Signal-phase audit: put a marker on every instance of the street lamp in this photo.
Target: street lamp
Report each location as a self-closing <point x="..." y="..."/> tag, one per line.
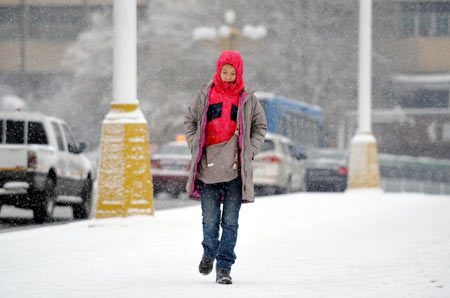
<point x="363" y="164"/>
<point x="228" y="35"/>
<point x="125" y="183"/>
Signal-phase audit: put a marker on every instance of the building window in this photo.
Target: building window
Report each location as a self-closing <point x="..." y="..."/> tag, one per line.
<point x="408" y="22"/>
<point x="10" y="22"/>
<point x="424" y="98"/>
<point x="410" y="18"/>
<point x="446" y="133"/>
<point x="442" y="25"/>
<point x="442" y="16"/>
<point x="425" y="19"/>
<point x="59" y="23"/>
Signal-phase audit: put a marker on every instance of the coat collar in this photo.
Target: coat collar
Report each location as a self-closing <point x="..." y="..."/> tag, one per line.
<point x="208" y="85"/>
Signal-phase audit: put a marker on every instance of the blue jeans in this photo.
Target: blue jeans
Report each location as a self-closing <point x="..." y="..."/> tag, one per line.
<point x="211" y="197"/>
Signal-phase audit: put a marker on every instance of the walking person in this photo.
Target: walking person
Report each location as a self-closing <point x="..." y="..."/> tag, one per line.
<point x="225" y="127"/>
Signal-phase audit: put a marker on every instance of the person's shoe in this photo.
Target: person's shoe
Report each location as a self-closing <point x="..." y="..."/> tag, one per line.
<point x="206" y="265"/>
<point x="223" y="277"/>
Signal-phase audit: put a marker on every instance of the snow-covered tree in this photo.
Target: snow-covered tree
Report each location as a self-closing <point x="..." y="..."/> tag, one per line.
<point x="9" y="102"/>
<point x="84" y="99"/>
<point x="309" y="53"/>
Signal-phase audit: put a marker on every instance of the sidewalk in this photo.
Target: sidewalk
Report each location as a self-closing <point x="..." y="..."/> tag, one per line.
<point x="358" y="244"/>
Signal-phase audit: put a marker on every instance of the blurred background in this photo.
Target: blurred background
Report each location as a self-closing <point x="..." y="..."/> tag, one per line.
<point x="57" y="57"/>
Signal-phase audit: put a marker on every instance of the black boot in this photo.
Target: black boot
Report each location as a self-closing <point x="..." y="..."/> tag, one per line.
<point x="206" y="265"/>
<point x="223" y="277"/>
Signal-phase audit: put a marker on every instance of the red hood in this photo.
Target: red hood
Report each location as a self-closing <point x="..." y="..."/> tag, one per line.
<point x="235" y="59"/>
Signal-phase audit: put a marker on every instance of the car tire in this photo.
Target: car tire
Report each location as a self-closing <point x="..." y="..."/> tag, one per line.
<point x="312" y="186"/>
<point x="279" y="190"/>
<point x="82" y="210"/>
<point x="341" y="188"/>
<point x="156" y="191"/>
<point x="259" y="190"/>
<point x="175" y="194"/>
<point x="46" y="201"/>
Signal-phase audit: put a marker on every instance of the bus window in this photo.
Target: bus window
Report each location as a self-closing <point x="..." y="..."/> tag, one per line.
<point x="282" y="124"/>
<point x="264" y="106"/>
<point x="310" y="132"/>
<point x="291" y="126"/>
<point x="294" y="119"/>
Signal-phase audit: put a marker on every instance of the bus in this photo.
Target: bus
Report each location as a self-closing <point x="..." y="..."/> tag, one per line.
<point x="302" y="123"/>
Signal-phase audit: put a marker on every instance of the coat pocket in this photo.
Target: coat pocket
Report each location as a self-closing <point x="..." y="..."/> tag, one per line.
<point x="219" y="162"/>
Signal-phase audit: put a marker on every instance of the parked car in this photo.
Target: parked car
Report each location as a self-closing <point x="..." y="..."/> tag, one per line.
<point x="326" y="170"/>
<point x="42" y="165"/>
<point x="278" y="168"/>
<point x="170" y="168"/>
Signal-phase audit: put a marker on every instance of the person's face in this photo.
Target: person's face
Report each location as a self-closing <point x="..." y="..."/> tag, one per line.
<point x="228" y="73"/>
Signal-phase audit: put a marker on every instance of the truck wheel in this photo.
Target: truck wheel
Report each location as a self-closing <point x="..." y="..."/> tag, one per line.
<point x="43" y="211"/>
<point x="82" y="210"/>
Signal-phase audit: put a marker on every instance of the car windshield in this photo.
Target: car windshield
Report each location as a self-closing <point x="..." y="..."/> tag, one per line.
<point x="268" y="146"/>
<point x="175" y="148"/>
<point x="327" y="154"/>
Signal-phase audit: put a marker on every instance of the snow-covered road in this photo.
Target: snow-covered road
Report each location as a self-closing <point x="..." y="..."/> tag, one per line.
<point x="13" y="219"/>
<point x="355" y="244"/>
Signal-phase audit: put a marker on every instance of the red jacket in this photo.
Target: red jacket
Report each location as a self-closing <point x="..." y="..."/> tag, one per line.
<point x="224" y="101"/>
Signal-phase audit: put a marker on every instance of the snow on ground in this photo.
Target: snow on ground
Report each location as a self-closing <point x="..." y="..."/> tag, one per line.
<point x="356" y="244"/>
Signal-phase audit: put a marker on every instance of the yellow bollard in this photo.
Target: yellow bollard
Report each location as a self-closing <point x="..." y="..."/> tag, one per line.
<point x="125" y="182"/>
<point x="363" y="165"/>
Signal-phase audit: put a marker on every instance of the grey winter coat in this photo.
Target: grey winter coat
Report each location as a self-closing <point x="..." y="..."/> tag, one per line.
<point x="252" y="127"/>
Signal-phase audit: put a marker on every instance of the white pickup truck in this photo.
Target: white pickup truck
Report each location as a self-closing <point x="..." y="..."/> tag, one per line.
<point x="41" y="166"/>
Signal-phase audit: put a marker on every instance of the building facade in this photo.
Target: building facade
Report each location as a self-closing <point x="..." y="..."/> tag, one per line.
<point x="34" y="37"/>
<point x="411" y="110"/>
<point x="411" y="61"/>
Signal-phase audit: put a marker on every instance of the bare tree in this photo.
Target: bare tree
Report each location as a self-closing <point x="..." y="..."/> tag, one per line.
<point x="310" y="54"/>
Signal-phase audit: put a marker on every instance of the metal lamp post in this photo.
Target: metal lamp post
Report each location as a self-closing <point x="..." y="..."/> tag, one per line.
<point x="228" y="35"/>
<point x="125" y="182"/>
<point x="363" y="165"/>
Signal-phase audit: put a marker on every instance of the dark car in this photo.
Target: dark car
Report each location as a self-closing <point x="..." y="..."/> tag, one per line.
<point x="326" y="170"/>
<point x="170" y="168"/>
